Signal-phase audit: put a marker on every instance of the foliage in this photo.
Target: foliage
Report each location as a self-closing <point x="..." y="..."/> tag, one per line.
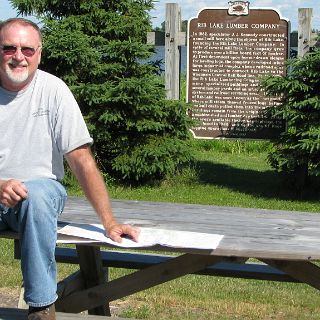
<point x="97" y="47"/>
<point x="297" y="151"/>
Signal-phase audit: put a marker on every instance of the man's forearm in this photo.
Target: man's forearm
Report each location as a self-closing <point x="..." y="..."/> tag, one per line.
<point x="85" y="169"/>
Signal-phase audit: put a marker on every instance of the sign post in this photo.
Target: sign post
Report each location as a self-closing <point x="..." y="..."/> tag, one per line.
<point x="304" y="31"/>
<point x="172" y="56"/>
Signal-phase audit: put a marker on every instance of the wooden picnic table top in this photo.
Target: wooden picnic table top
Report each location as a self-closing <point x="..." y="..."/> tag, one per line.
<point x="251" y="233"/>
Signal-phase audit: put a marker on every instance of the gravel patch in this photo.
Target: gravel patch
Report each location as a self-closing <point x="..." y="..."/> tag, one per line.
<point x="9" y="297"/>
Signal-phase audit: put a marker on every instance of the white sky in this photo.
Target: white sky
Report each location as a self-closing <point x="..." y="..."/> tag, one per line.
<point x="190" y="8"/>
<point x="287" y="8"/>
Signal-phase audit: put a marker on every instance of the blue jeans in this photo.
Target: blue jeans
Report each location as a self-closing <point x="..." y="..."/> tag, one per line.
<point x="35" y="218"/>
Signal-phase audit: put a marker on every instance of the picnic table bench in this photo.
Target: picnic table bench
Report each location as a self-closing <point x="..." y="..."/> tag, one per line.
<point x="21" y="314"/>
<point x="284" y="246"/>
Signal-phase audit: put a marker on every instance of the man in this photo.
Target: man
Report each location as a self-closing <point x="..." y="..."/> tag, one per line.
<point x="40" y="123"/>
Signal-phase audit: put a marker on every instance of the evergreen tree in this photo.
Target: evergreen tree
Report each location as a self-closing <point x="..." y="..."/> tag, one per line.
<point x="97" y="47"/>
<point x="297" y="151"/>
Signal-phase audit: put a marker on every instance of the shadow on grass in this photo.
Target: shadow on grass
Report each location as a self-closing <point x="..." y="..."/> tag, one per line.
<point x="266" y="184"/>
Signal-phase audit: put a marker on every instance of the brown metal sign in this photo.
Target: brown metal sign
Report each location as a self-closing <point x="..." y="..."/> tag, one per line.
<point x="228" y="51"/>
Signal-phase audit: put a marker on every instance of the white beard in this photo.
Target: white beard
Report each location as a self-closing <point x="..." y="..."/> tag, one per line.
<point x="17" y="77"/>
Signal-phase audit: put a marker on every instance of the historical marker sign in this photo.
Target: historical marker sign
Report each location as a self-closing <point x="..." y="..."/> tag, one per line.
<point x="228" y="50"/>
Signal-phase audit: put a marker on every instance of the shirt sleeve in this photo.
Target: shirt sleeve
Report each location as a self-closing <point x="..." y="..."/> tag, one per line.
<point x="70" y="129"/>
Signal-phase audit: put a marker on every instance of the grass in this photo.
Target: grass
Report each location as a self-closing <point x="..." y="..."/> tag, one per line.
<point x="231" y="173"/>
<point x="201" y="297"/>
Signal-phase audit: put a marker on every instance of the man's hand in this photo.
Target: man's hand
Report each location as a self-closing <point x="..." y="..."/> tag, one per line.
<point x="11" y="192"/>
<point x="116" y="231"/>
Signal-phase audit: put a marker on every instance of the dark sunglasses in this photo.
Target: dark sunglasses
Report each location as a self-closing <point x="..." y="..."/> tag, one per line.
<point x="26" y="51"/>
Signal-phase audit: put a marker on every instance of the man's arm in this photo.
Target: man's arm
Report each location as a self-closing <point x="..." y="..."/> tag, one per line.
<point x="86" y="171"/>
<point x="11" y="192"/>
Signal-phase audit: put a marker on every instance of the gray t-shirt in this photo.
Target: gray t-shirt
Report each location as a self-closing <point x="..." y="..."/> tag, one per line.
<point x="38" y="126"/>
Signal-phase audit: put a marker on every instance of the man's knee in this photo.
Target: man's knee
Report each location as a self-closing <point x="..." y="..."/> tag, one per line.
<point x="45" y="197"/>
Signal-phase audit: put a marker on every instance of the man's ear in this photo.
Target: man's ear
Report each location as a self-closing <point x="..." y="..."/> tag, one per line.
<point x="39" y="57"/>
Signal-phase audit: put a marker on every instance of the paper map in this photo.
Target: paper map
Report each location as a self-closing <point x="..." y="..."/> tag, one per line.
<point x="148" y="237"/>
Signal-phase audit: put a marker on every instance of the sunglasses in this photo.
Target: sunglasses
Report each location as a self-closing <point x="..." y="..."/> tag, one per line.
<point x="26" y="51"/>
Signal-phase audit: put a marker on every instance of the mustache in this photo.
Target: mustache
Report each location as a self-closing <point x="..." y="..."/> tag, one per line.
<point x="16" y="63"/>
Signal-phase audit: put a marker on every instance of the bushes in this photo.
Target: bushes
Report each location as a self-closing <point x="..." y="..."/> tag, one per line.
<point x="297" y="151"/>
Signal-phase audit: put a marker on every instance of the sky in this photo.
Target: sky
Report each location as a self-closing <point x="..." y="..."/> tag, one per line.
<point x="190" y="8"/>
<point x="287" y="8"/>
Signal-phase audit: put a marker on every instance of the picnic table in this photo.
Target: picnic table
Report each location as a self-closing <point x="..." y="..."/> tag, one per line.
<point x="287" y="244"/>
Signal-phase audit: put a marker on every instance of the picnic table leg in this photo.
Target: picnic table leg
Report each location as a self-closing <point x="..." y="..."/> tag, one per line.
<point x="93" y="273"/>
<point x="136" y="281"/>
<point x="304" y="271"/>
<point x="17" y="255"/>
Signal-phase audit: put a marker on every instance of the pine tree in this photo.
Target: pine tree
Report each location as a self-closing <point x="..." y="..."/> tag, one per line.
<point x="297" y="151"/>
<point x="98" y="48"/>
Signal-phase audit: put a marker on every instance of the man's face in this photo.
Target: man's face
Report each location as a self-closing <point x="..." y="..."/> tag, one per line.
<point x="17" y="69"/>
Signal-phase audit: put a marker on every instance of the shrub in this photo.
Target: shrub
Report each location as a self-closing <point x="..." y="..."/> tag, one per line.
<point x="297" y="151"/>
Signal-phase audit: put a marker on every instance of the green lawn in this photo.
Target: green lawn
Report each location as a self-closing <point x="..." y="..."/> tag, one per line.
<point x="229" y="173"/>
<point x="226" y="173"/>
